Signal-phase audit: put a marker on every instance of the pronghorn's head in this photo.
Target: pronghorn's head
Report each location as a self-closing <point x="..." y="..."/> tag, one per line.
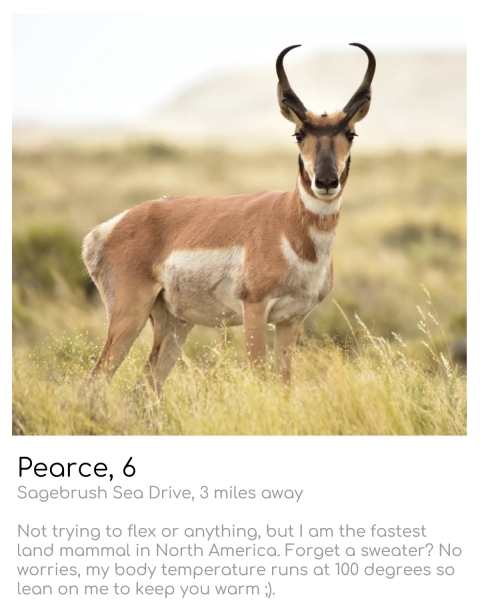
<point x="324" y="140"/>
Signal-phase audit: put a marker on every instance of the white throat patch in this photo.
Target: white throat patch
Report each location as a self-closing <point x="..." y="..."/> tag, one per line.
<point x="317" y="205"/>
<point x="323" y="241"/>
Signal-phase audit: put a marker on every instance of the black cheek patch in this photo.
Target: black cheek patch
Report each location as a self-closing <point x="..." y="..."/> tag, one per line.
<point x="301" y="165"/>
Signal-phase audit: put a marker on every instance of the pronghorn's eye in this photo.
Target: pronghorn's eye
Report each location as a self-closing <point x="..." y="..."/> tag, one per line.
<point x="350" y="135"/>
<point x="299" y="136"/>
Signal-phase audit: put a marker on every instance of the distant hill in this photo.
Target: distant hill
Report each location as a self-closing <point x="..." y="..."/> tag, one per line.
<point x="418" y="100"/>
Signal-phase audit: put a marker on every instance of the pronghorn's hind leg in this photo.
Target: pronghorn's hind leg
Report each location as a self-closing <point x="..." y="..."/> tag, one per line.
<point x="128" y="314"/>
<point x="169" y="335"/>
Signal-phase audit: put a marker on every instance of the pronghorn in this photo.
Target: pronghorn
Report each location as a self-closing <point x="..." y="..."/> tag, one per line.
<point x="258" y="258"/>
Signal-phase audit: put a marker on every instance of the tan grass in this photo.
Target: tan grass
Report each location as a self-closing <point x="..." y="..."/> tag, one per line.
<point x="372" y="388"/>
<point x="402" y="227"/>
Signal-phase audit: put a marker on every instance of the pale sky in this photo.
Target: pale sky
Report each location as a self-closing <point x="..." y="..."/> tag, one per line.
<point x="113" y="69"/>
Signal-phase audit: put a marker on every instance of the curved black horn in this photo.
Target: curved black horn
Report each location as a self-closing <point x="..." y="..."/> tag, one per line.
<point x="287" y="98"/>
<point x="364" y="92"/>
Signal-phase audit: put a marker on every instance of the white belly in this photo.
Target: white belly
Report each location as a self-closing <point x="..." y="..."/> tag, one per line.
<point x="204" y="286"/>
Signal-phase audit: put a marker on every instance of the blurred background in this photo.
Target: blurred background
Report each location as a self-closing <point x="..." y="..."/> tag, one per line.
<point x="110" y="111"/>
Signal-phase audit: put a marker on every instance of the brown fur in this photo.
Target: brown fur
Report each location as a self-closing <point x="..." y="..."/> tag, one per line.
<point x="146" y="236"/>
<point x="285" y="245"/>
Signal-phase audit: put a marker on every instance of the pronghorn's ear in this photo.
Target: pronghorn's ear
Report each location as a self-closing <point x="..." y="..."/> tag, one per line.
<point x="290" y="104"/>
<point x="287" y="108"/>
<point x="361" y="113"/>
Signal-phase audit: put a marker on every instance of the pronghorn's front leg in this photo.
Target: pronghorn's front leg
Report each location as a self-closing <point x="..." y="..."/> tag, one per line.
<point x="285" y="337"/>
<point x="255" y="329"/>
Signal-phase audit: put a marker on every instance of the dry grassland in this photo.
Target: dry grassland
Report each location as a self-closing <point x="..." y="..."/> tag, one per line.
<point x="379" y="357"/>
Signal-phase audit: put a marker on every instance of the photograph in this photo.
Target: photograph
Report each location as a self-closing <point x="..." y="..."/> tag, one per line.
<point x="256" y="231"/>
